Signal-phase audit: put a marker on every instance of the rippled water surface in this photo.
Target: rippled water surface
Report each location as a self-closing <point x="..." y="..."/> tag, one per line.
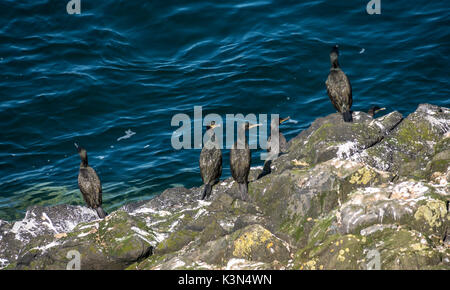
<point x="131" y="65"/>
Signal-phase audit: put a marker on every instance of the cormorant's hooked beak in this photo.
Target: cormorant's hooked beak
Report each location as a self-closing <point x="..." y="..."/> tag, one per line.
<point x="77" y="146"/>
<point x="212" y="126"/>
<point x="380" y="109"/>
<point x="284" y="120"/>
<point x="254" y="125"/>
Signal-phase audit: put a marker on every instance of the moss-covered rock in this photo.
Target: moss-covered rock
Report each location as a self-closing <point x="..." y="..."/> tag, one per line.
<point x="384" y="249"/>
<point x="331" y="137"/>
<point x="411" y="145"/>
<point x="112" y="243"/>
<point x="369" y="194"/>
<point x="175" y="241"/>
<point x="255" y="243"/>
<point x="432" y="219"/>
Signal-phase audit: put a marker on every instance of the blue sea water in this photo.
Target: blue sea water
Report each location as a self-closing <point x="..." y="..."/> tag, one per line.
<point x="132" y="65"/>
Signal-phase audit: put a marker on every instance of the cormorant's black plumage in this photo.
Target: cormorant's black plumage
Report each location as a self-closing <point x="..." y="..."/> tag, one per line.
<point x="89" y="184"/>
<point x="210" y="161"/>
<point x="271" y="144"/>
<point x="339" y="88"/>
<point x="240" y="160"/>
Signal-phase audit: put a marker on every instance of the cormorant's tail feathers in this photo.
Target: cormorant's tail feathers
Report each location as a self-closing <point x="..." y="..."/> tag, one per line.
<point x="243" y="188"/>
<point x="101" y="213"/>
<point x="347" y="116"/>
<point x="207" y="191"/>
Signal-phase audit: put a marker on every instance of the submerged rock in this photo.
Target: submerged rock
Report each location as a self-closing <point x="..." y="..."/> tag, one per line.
<point x="369" y="194"/>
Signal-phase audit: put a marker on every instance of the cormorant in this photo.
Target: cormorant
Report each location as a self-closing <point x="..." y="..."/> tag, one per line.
<point x="375" y="109"/>
<point x="339" y="88"/>
<point x="282" y="146"/>
<point x="240" y="159"/>
<point x="281" y="139"/>
<point x="89" y="184"/>
<point x="210" y="161"/>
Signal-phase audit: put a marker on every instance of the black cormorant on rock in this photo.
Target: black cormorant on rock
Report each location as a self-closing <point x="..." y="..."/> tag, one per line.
<point x="271" y="145"/>
<point x="375" y="109"/>
<point x="339" y="88"/>
<point x="89" y="184"/>
<point x="241" y="158"/>
<point x="281" y="139"/>
<point x="210" y="161"/>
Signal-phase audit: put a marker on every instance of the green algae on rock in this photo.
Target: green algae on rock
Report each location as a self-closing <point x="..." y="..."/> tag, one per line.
<point x="372" y="193"/>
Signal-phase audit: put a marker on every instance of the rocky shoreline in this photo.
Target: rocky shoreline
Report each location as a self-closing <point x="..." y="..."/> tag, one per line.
<point x="372" y="193"/>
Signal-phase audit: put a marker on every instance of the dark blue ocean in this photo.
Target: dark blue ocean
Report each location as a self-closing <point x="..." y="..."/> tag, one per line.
<point x="132" y="65"/>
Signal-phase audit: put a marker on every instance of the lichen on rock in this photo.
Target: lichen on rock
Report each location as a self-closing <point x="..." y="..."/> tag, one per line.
<point x="372" y="193"/>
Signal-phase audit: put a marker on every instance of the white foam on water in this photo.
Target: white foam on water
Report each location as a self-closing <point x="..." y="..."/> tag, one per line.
<point x="128" y="134"/>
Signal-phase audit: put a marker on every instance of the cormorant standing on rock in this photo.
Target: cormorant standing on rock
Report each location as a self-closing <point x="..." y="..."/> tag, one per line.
<point x="240" y="159"/>
<point x="281" y="139"/>
<point x="282" y="146"/>
<point x="375" y="109"/>
<point x="89" y="184"/>
<point x="210" y="161"/>
<point x="339" y="88"/>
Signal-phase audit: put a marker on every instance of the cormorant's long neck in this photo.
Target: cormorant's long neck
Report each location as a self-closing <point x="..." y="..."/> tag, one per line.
<point x="273" y="128"/>
<point x="212" y="136"/>
<point x="335" y="64"/>
<point x="242" y="138"/>
<point x="84" y="163"/>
